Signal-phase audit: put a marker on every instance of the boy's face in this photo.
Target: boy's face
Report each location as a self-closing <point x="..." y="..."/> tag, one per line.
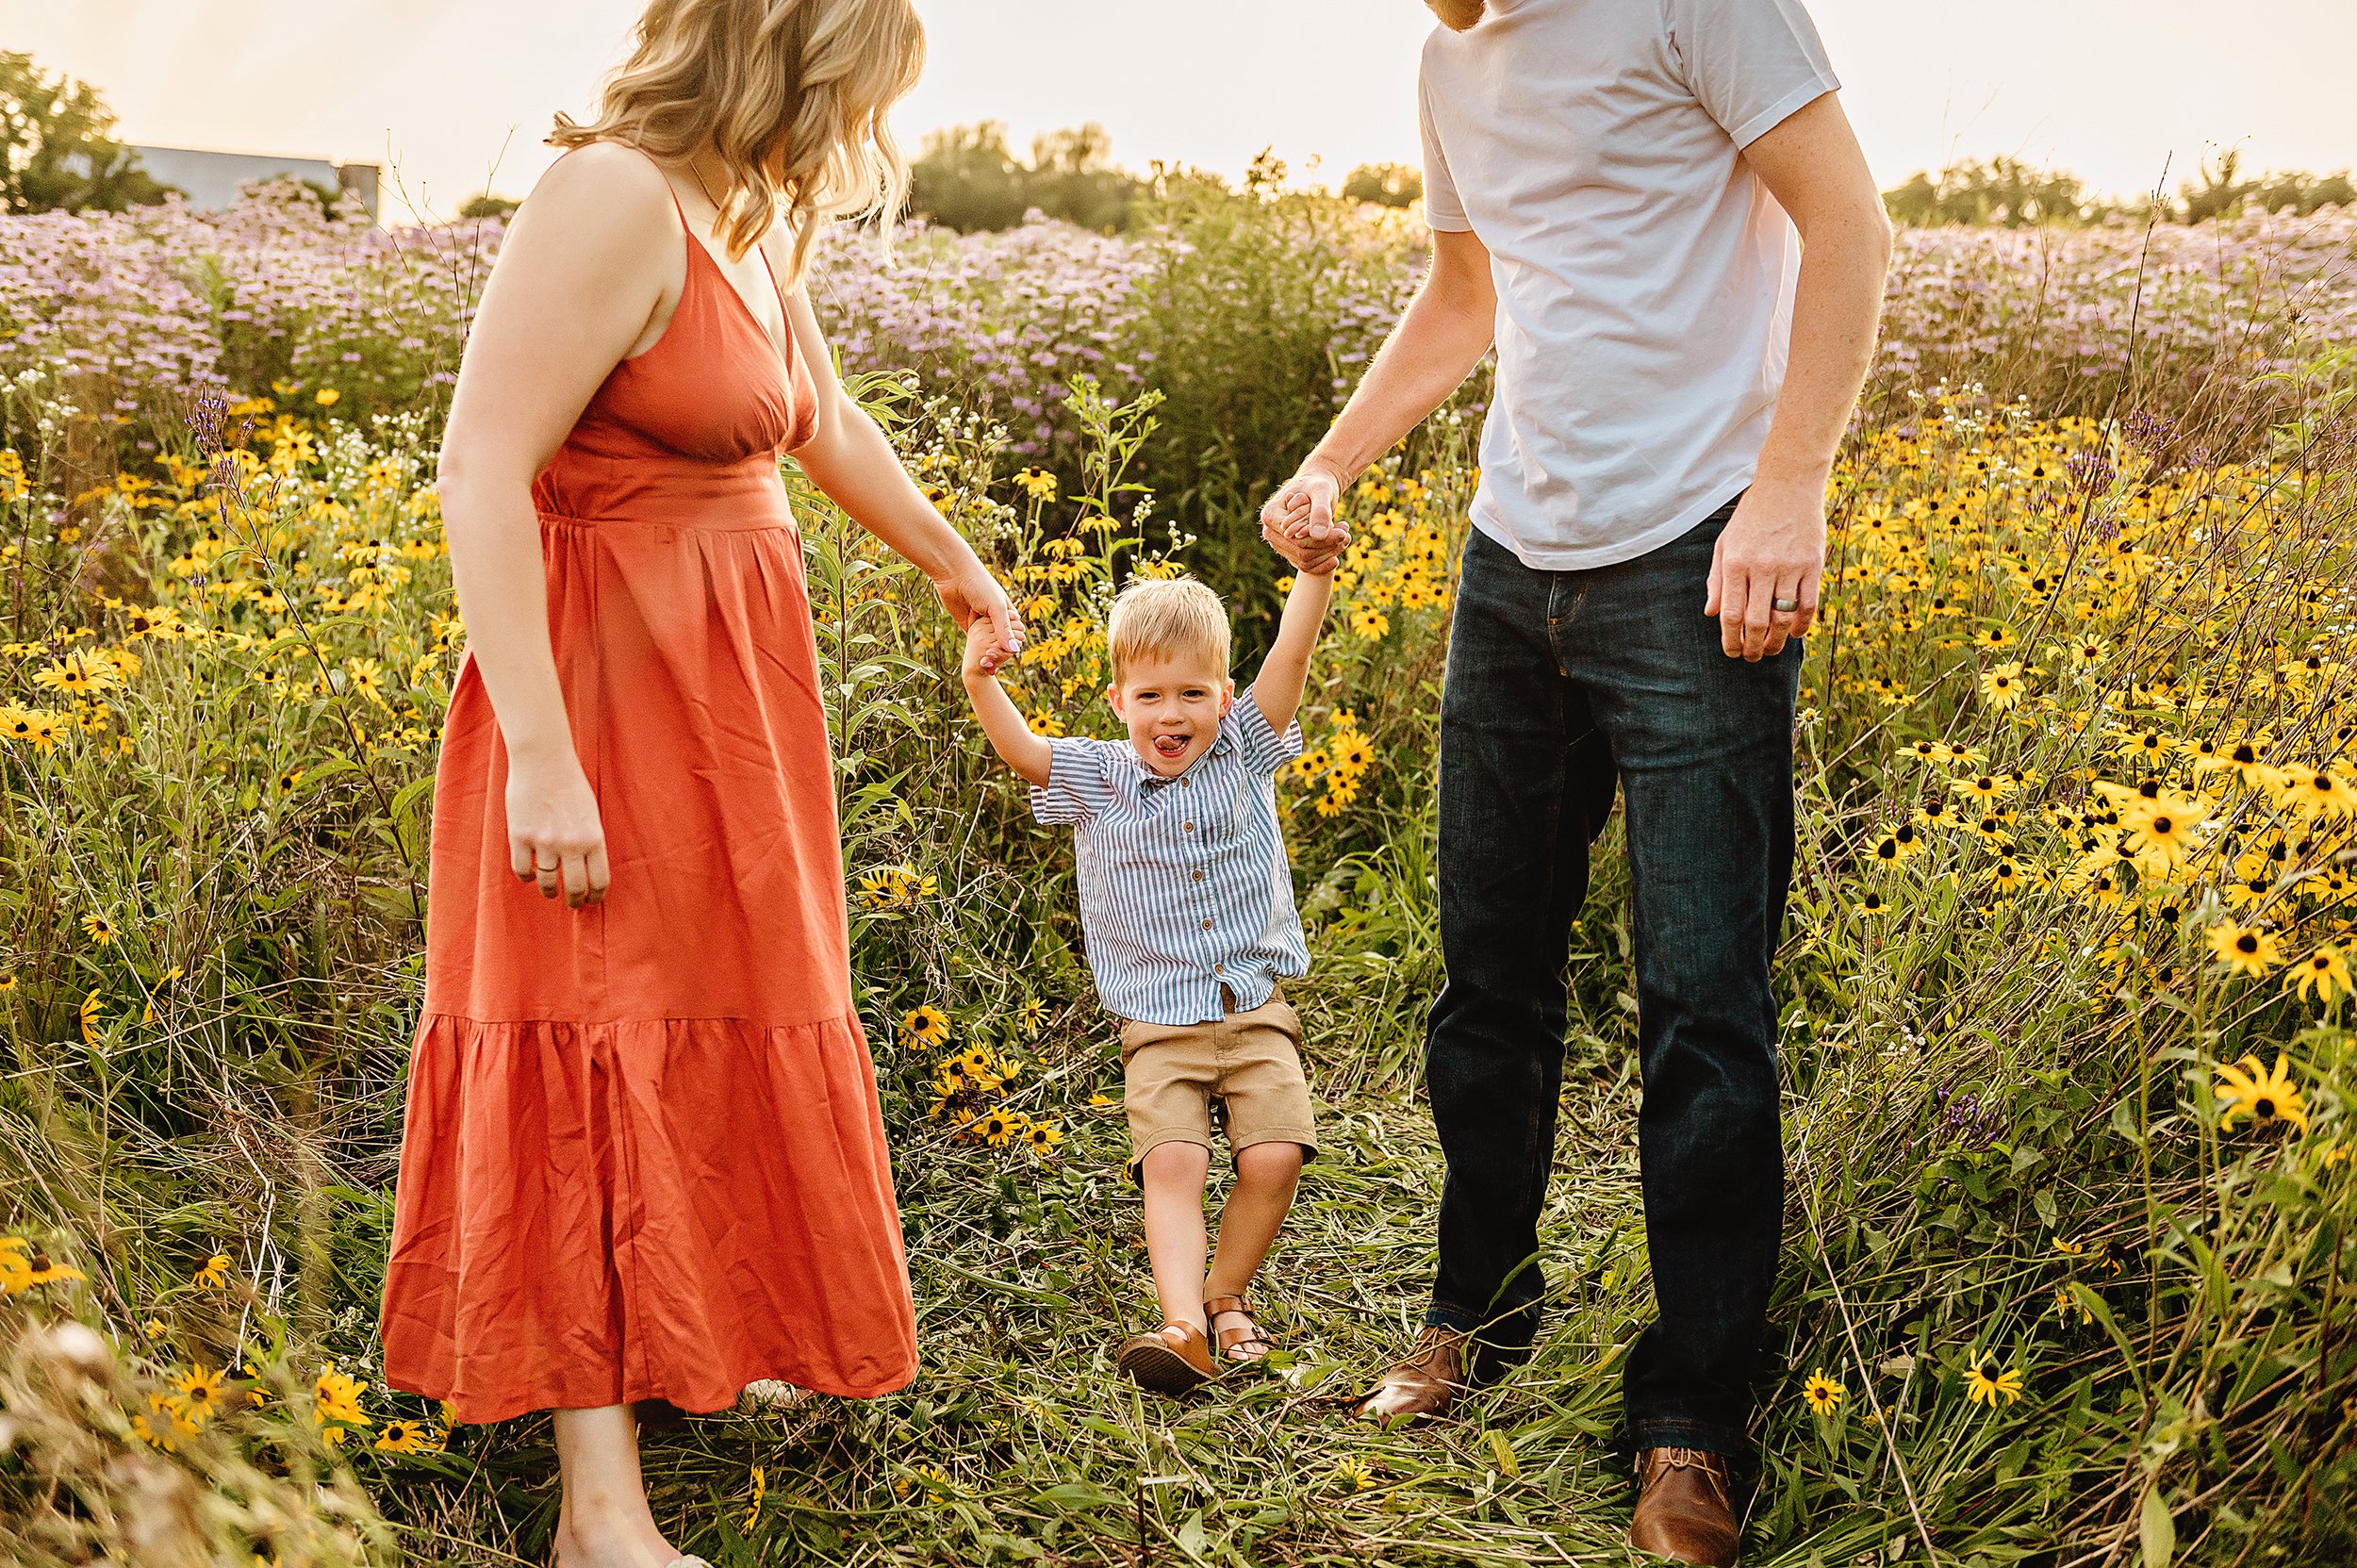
<point x="1173" y="708"/>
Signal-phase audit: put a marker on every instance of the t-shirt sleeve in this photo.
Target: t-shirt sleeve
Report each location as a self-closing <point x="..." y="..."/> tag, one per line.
<point x="1077" y="787"/>
<point x="1751" y="63"/>
<point x="1262" y="749"/>
<point x="1442" y="208"/>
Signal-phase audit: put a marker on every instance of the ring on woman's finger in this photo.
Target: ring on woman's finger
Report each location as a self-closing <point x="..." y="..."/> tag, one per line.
<point x="1784" y="607"/>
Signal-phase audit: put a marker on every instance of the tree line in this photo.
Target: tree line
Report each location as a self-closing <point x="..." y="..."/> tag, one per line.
<point x="58" y="153"/>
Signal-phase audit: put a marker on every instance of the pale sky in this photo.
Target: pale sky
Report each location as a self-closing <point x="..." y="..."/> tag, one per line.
<point x="2106" y="88"/>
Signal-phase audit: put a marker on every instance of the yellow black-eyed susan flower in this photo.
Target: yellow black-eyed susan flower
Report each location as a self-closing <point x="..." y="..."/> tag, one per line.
<point x="1984" y="1384"/>
<point x="2001" y="685"/>
<point x="2265" y="1095"/>
<point x="404" y="1435"/>
<point x="2248" y="950"/>
<point x="1904" y="842"/>
<point x="2323" y="973"/>
<point x="200" y="1392"/>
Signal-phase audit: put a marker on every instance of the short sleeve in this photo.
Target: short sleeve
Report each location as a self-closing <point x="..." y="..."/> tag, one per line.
<point x="1077" y="787"/>
<point x="1442" y="208"/>
<point x="1749" y="63"/>
<point x="1262" y="749"/>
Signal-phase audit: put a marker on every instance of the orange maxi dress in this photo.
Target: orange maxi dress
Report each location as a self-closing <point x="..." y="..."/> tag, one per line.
<point x="643" y="1157"/>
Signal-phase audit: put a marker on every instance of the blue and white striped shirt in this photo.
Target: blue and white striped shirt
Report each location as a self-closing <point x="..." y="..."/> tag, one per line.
<point x="1184" y="886"/>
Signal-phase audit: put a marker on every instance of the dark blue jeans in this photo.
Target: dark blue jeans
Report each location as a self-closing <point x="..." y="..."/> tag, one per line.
<point x="1560" y="683"/>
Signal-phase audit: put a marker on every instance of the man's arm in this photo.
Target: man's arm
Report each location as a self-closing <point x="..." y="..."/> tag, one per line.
<point x="1775" y="545"/>
<point x="1428" y="356"/>
<point x="1009" y="735"/>
<point x="1286" y="670"/>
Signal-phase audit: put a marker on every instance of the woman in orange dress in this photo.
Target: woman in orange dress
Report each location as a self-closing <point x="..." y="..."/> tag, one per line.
<point x="643" y="1159"/>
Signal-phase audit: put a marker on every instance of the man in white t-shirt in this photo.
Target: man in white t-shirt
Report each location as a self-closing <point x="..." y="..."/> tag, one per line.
<point x="1613" y="188"/>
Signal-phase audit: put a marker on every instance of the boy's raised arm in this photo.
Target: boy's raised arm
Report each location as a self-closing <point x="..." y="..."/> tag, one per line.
<point x="1286" y="670"/>
<point x="1010" y="737"/>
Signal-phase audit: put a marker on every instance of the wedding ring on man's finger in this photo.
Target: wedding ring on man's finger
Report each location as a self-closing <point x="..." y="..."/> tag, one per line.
<point x="1784" y="607"/>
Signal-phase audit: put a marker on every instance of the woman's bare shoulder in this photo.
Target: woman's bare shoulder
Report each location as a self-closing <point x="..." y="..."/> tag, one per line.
<point x="601" y="189"/>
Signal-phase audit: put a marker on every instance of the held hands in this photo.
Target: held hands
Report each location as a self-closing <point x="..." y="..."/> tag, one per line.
<point x="1766" y="570"/>
<point x="554" y="837"/>
<point x="976" y="600"/>
<point x="981" y="643"/>
<point x="1298" y="523"/>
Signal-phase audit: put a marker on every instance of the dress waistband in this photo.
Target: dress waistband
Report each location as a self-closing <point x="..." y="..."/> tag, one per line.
<point x="691" y="524"/>
<point x="719" y="497"/>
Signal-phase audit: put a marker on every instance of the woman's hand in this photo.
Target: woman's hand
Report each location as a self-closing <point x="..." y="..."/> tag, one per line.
<point x="554" y="837"/>
<point x="970" y="593"/>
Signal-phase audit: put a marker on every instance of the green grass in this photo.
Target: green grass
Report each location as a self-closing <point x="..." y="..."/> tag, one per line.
<point x="2005" y="1143"/>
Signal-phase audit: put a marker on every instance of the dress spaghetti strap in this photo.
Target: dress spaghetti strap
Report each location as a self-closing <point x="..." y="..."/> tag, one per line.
<point x="791" y="350"/>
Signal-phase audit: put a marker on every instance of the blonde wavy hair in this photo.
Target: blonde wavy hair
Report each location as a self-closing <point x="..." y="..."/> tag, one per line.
<point x="789" y="94"/>
<point x="1459" y="14"/>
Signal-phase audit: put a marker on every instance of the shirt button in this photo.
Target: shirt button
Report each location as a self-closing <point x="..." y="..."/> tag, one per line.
<point x="1198" y="876"/>
<point x="1191" y="827"/>
<point x="1207" y="925"/>
<point x="1186" y="783"/>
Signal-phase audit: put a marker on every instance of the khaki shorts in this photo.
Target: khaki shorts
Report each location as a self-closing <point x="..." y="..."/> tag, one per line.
<point x="1248" y="1065"/>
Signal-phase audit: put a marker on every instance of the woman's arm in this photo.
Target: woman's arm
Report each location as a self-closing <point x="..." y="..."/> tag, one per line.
<point x="848" y="458"/>
<point x="1013" y="739"/>
<point x="1286" y="670"/>
<point x="581" y="277"/>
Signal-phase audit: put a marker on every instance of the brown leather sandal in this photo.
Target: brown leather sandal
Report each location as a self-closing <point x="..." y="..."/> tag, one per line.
<point x="1174" y="1359"/>
<point x="1239" y="1339"/>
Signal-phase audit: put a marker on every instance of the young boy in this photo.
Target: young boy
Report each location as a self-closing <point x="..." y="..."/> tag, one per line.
<point x="1187" y="909"/>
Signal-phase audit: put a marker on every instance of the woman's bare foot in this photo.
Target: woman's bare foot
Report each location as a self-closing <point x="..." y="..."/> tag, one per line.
<point x="604" y="1520"/>
<point x="772" y="1396"/>
<point x="610" y="1532"/>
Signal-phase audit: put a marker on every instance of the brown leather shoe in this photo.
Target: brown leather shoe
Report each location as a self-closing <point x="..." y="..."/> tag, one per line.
<point x="1685" y="1508"/>
<point x="1422" y="1384"/>
<point x="1174" y="1359"/>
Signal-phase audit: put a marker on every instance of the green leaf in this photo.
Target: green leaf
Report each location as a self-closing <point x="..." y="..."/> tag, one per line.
<point x="1191" y="1539"/>
<point x="2156" y="1530"/>
<point x="2124" y="1122"/>
<point x="1502" y="1449"/>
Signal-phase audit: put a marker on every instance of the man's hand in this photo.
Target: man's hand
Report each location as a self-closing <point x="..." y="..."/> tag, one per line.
<point x="1772" y="552"/>
<point x="1298" y="523"/>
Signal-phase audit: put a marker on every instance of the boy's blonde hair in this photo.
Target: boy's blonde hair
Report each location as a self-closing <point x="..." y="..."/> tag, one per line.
<point x="1459" y="14"/>
<point x="1166" y="617"/>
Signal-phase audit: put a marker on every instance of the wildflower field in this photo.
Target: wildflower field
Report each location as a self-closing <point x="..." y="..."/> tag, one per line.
<point x="2069" y="1276"/>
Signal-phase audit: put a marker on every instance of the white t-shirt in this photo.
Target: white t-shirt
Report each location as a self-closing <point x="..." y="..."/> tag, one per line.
<point x="1644" y="273"/>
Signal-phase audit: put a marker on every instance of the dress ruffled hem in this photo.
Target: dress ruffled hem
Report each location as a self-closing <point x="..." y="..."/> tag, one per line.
<point x="600" y="1214"/>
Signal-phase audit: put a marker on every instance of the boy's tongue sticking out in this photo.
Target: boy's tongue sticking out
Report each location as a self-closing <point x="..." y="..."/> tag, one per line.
<point x="1172" y="705"/>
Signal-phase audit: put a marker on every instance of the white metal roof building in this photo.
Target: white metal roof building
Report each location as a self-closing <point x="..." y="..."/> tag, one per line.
<point x="210" y="179"/>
